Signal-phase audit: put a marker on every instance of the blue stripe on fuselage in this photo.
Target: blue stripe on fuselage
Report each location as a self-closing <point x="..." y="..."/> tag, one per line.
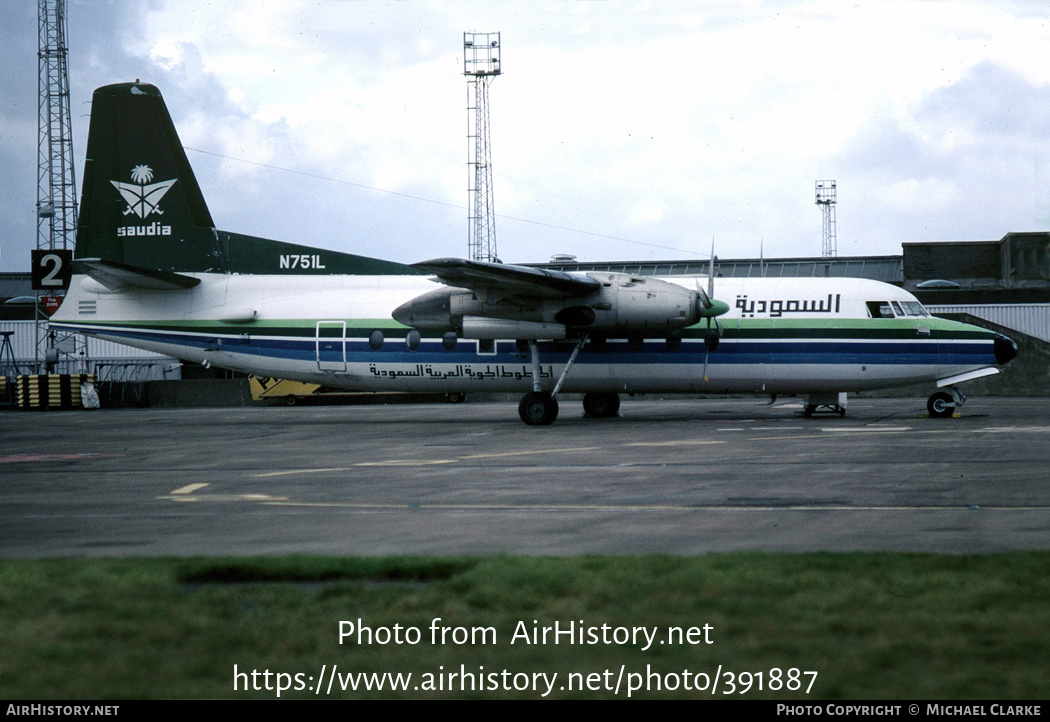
<point x="730" y="351"/>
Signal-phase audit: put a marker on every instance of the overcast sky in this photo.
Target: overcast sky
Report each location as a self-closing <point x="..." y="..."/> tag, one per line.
<point x="620" y="130"/>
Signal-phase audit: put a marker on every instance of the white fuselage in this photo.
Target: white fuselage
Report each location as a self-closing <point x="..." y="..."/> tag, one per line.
<point x="780" y="335"/>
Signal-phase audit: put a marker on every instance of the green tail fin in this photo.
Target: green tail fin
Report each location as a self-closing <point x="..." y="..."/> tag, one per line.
<point x="141" y="205"/>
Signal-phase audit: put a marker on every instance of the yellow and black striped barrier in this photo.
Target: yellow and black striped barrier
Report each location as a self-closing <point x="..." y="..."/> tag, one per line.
<point x="50" y="391"/>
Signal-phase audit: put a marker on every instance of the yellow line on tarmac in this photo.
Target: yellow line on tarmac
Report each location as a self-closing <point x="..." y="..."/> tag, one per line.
<point x="838" y="433"/>
<point x="290" y="472"/>
<point x="673" y="443"/>
<point x="477" y="507"/>
<point x="643" y="507"/>
<point x="226" y="497"/>
<point x="526" y="453"/>
<point x="390" y="462"/>
<point x="866" y="429"/>
<point x="417" y="462"/>
<point x="407" y="462"/>
<point x="1012" y="429"/>
<point x="843" y="433"/>
<point x="774" y="437"/>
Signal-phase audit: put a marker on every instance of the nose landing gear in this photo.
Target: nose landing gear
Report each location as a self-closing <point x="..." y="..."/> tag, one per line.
<point x="943" y="403"/>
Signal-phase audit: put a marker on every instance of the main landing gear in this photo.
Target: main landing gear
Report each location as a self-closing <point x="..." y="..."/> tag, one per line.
<point x="601" y="406"/>
<point x="539" y="408"/>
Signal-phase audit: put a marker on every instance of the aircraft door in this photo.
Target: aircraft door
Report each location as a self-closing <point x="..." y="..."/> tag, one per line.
<point x="331" y="345"/>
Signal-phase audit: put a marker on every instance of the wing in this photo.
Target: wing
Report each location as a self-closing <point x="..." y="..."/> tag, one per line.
<point x="498" y="280"/>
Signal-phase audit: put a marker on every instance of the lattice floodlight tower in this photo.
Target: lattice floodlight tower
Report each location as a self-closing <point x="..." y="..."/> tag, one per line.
<point x="480" y="65"/>
<point x="56" y="205"/>
<point x="826" y="198"/>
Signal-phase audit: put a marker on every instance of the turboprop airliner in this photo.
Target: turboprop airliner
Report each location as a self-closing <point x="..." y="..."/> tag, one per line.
<point x="151" y="271"/>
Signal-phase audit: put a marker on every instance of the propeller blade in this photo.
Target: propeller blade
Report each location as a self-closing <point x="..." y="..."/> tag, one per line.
<point x="711" y="338"/>
<point x="711" y="341"/>
<point x="707" y="305"/>
<point x="711" y="271"/>
<point x="702" y="296"/>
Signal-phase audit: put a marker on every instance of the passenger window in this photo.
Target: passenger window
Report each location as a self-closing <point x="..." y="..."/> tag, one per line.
<point x="880" y="309"/>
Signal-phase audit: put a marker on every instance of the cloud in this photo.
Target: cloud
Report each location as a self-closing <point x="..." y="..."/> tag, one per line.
<point x="96" y="34"/>
<point x="620" y="129"/>
<point x="962" y="165"/>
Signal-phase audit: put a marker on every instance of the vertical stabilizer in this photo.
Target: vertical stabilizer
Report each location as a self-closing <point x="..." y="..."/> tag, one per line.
<point x="142" y="209"/>
<point x="141" y="204"/>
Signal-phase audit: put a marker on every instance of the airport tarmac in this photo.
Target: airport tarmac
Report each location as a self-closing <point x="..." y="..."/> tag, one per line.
<point x="671" y="476"/>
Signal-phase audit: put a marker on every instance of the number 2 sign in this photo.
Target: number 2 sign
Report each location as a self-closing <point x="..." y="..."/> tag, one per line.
<point x="52" y="269"/>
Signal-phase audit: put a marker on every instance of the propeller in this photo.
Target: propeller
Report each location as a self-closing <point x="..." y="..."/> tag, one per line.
<point x="710" y="309"/>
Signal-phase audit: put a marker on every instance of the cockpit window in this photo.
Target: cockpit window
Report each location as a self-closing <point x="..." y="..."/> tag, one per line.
<point x="913" y="308"/>
<point x="880" y="309"/>
<point x="895" y="309"/>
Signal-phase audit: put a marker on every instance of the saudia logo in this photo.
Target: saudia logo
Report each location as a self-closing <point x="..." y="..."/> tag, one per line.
<point x="143" y="199"/>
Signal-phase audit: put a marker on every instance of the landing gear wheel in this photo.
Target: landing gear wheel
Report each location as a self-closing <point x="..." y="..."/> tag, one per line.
<point x="601" y="406"/>
<point x="537" y="408"/>
<point x="941" y="405"/>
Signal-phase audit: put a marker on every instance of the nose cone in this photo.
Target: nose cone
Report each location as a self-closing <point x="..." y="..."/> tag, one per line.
<point x="1005" y="349"/>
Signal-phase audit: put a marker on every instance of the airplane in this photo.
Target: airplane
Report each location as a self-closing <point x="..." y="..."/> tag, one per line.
<point x="151" y="270"/>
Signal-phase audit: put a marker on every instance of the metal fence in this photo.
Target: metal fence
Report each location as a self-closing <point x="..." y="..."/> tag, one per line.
<point x="109" y="361"/>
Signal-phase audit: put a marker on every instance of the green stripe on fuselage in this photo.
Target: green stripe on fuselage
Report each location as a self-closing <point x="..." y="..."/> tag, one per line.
<point x="881" y="328"/>
<point x="877" y="329"/>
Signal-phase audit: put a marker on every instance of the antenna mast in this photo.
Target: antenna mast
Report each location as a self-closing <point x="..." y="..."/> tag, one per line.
<point x="827" y="197"/>
<point x="480" y="65"/>
<point x="56" y="202"/>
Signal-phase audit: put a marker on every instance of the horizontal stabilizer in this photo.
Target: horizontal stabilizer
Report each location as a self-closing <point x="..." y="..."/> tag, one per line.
<point x="120" y="276"/>
<point x="508" y="280"/>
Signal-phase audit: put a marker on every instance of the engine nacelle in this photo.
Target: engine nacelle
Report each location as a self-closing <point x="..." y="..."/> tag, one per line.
<point x="494" y="328"/>
<point x="445" y="309"/>
<point x="430" y="312"/>
<point x="625" y="303"/>
<point x="639" y="303"/>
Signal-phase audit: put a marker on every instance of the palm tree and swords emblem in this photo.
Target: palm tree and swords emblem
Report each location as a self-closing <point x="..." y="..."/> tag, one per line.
<point x="142" y="196"/>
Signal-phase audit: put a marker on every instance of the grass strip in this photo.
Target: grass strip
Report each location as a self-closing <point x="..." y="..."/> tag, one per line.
<point x="873" y="626"/>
